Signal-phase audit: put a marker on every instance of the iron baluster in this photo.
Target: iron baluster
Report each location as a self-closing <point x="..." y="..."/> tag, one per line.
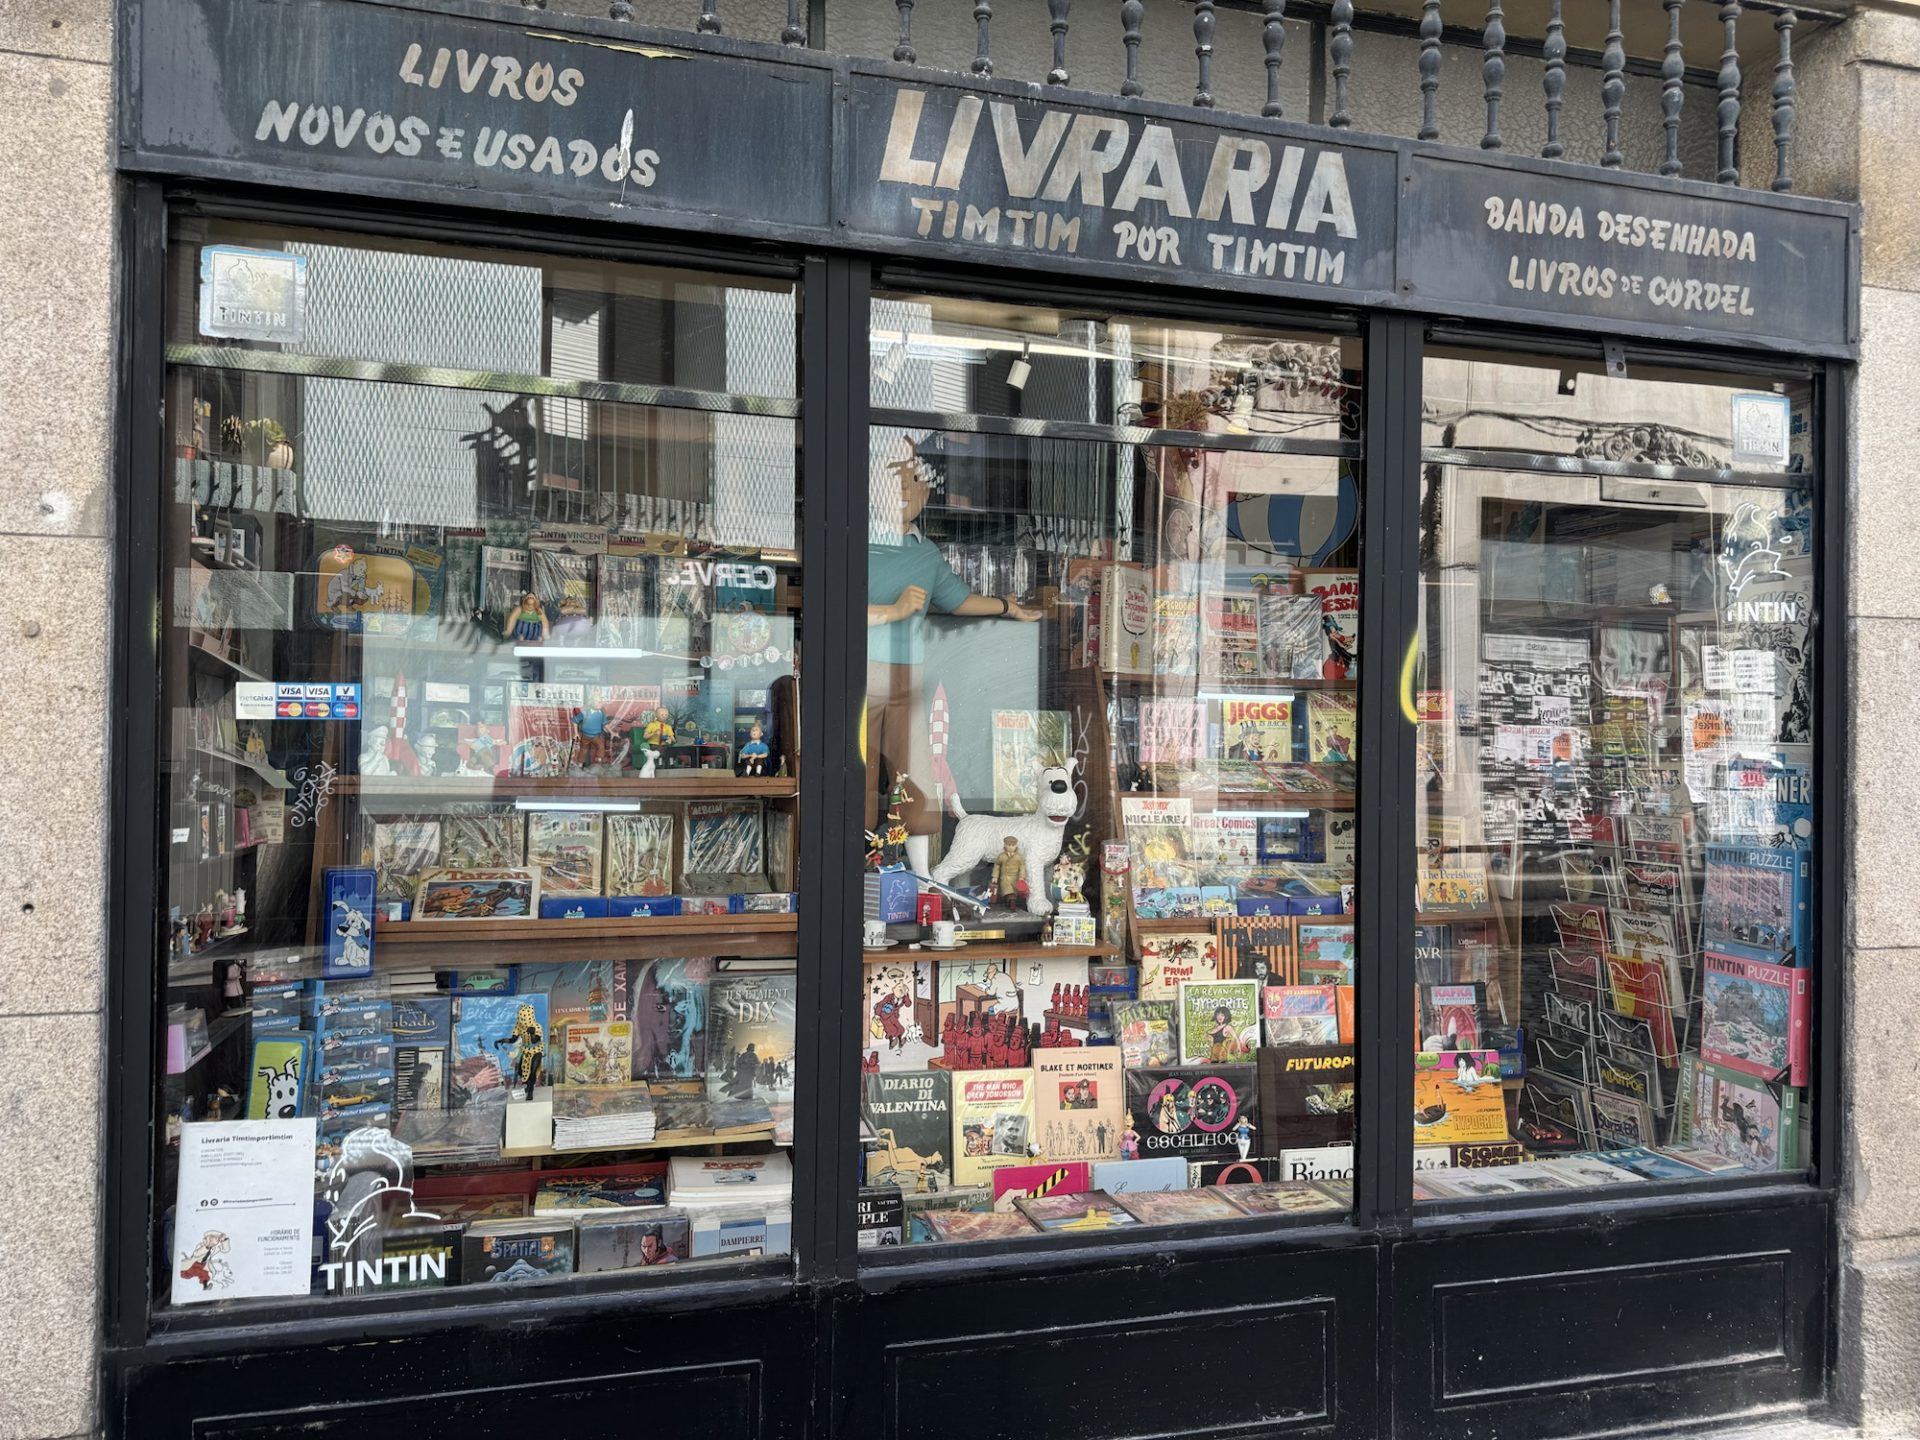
<point x="1729" y="109"/>
<point x="1430" y="32"/>
<point x="1341" y="47"/>
<point x="795" y="30"/>
<point x="903" y="52"/>
<point x="1203" y="51"/>
<point x="1783" y="101"/>
<point x="709" y="20"/>
<point x="1613" y="88"/>
<point x="1057" y="22"/>
<point x="1493" y="72"/>
<point x="1132" y="13"/>
<point x="1274" y="38"/>
<point x="1555" y="80"/>
<point x="1673" y="72"/>
<point x="983" y="42"/>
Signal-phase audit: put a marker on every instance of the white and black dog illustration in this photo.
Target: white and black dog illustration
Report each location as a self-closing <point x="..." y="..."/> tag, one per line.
<point x="1040" y="836"/>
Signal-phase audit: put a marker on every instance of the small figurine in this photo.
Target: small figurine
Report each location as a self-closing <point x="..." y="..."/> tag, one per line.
<point x="373" y="753"/>
<point x="1129" y="1142"/>
<point x="1070" y="873"/>
<point x="202" y="929"/>
<point x="753" y="754"/>
<point x="256" y="747"/>
<point x="483" y="753"/>
<point x="230" y="975"/>
<point x="1009" y="873"/>
<point x="1040" y="835"/>
<point x="528" y="624"/>
<point x="427" y="754"/>
<point x="658" y="730"/>
<point x="887" y="846"/>
<point x="590" y="737"/>
<point x="529" y="1053"/>
<point x="223" y="907"/>
<point x="1243" y="1137"/>
<point x="653" y="759"/>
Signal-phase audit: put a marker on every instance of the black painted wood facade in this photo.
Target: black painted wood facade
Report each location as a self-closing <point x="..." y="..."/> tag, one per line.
<point x="1592" y="1315"/>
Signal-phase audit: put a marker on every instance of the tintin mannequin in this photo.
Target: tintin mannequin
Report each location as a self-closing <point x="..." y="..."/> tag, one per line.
<point x="907" y="577"/>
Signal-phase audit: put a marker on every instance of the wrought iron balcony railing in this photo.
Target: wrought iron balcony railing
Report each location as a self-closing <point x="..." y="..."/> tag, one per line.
<point x="1431" y="45"/>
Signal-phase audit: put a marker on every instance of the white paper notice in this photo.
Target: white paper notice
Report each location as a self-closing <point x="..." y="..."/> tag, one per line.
<point x="1717" y="669"/>
<point x="243" y="1215"/>
<point x="1754" y="672"/>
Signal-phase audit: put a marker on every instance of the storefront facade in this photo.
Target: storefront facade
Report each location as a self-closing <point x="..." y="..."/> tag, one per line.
<point x="1406" y="578"/>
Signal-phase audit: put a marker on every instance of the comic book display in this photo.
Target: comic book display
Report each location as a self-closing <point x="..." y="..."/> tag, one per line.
<point x="1617" y="849"/>
<point x="483" y="787"/>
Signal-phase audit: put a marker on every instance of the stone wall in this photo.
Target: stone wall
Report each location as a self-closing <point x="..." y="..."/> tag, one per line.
<point x="57" y="242"/>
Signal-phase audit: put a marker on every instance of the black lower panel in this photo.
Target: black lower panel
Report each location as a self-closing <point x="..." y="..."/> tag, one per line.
<point x="1611" y="1325"/>
<point x="736" y="1374"/>
<point x="1234" y="1345"/>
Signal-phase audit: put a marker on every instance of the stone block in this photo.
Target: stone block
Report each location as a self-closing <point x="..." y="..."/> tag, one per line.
<point x="1883" y="897"/>
<point x="49" y="1256"/>
<point x="1878" y="1376"/>
<point x="56" y="309"/>
<point x="1882" y="1166"/>
<point x="69" y="29"/>
<point x="1882" y="499"/>
<point x="53" y="789"/>
<point x="1890" y="229"/>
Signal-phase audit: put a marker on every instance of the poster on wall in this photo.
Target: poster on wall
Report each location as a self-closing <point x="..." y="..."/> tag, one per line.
<point x="243" y="1214"/>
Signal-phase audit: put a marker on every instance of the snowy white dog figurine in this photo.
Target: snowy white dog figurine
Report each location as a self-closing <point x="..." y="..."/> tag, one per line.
<point x="1040" y="834"/>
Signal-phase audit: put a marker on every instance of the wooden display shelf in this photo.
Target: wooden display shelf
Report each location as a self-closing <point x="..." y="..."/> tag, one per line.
<point x="452" y="944"/>
<point x="679" y="785"/>
<point x="220" y="657"/>
<point x="762" y="1136"/>
<point x="1000" y="950"/>
<point x="1180" y="687"/>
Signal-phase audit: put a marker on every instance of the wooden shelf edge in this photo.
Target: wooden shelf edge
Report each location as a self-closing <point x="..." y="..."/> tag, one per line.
<point x="672" y="787"/>
<point x="406" y="932"/>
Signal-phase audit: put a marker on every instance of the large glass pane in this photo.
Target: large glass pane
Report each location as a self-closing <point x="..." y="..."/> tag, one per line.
<point x="481" y="751"/>
<point x="1109" y="730"/>
<point x="1614" y="691"/>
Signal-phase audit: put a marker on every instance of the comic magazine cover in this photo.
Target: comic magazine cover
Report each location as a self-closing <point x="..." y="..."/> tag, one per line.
<point x="1080" y="1210"/>
<point x="750" y="1033"/>
<point x="1332" y="727"/>
<point x="487" y="1032"/>
<point x="1179" y="1207"/>
<point x="482" y="840"/>
<point x="1148" y="1032"/>
<point x="1203" y="1112"/>
<point x="1159" y="834"/>
<point x="1168" y="959"/>
<point x="1172" y="730"/>
<point x="909" y="1119"/>
<point x="1176" y="635"/>
<point x="668" y="1007"/>
<point x="401" y="851"/>
<point x="725" y="844"/>
<point x="1306" y="1096"/>
<point x="1024" y="743"/>
<point x="1451" y="1016"/>
<point x="596" y="1052"/>
<point x="1078" y="1103"/>
<point x="1754" y="1017"/>
<point x="1339" y="594"/>
<point x="903" y="1018"/>
<point x="626" y="600"/>
<point x="639" y="854"/>
<point x="1291" y="646"/>
<point x="563" y="581"/>
<point x="506" y="575"/>
<point x="992" y="1122"/>
<point x="1229" y="636"/>
<point x="1739" y="1117"/>
<point x="540" y="728"/>
<point x="578" y="991"/>
<point x="1300" y="1014"/>
<point x="565" y="847"/>
<point x="1457" y="1097"/>
<point x="1324" y="952"/>
<point x="1257" y="729"/>
<point x="499" y="893"/>
<point x="1219" y="1021"/>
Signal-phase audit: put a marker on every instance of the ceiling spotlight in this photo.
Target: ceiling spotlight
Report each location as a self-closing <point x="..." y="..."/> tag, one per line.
<point x="1020" y="370"/>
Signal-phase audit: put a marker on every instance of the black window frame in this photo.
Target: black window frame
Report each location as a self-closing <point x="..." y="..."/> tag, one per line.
<point x="836" y="292"/>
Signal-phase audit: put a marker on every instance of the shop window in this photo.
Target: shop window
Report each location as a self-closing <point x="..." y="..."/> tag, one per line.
<point x="1112" y="654"/>
<point x="481" y="764"/>
<point x="1615" y="794"/>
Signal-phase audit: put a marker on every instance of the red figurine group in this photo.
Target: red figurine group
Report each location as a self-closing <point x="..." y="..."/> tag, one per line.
<point x="985" y="1042"/>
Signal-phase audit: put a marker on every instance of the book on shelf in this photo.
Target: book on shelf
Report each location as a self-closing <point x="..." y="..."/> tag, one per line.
<point x="1078" y="1211"/>
<point x="992" y="1117"/>
<point x="632" y="1187"/>
<point x="1219" y="1021"/>
<point x="1457" y="1096"/>
<point x="908" y="1116"/>
<point x="596" y="1116"/>
<point x="1333" y="727"/>
<point x="509" y="1252"/>
<point x="1257" y="729"/>
<point x="540" y="728"/>
<point x="750" y="1037"/>
<point x="1306" y="1096"/>
<point x="1338" y="592"/>
<point x="567" y="848"/>
<point x="632" y="1239"/>
<point x="1179" y="1207"/>
<point x="1229" y="636"/>
<point x="1756" y="902"/>
<point x="1176" y="635"/>
<point x="1079" y="1102"/>
<point x="1195" y="1112"/>
<point x="697" y="1181"/>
